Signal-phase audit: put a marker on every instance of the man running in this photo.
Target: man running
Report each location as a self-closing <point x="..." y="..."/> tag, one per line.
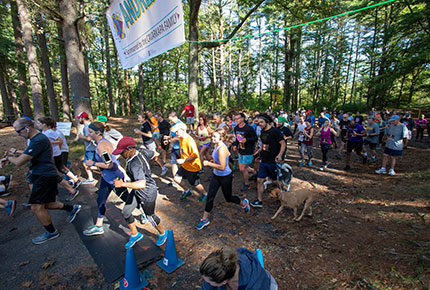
<point x="371" y="140"/>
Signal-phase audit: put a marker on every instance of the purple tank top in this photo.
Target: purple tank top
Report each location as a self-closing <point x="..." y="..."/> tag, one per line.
<point x="325" y="136"/>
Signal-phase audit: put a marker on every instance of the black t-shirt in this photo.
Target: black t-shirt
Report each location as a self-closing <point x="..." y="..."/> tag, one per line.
<point x="343" y="125"/>
<point x="137" y="169"/>
<point x="41" y="150"/>
<point x="245" y="132"/>
<point x="270" y="144"/>
<point x="286" y="131"/>
<point x="164" y="128"/>
<point x="145" y="128"/>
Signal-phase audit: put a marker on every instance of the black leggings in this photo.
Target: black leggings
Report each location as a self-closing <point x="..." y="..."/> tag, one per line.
<point x="148" y="207"/>
<point x="226" y="184"/>
<point x="324" y="149"/>
<point x="420" y="131"/>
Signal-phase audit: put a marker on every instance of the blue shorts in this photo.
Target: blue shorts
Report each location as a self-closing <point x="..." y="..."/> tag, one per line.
<point x="90" y="155"/>
<point x="245" y="159"/>
<point x="393" y="152"/>
<point x="175" y="154"/>
<point x="267" y="170"/>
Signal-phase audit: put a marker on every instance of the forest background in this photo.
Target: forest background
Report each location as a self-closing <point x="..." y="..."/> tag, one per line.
<point x="58" y="58"/>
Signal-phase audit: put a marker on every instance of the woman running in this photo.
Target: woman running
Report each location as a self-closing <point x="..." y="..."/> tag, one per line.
<point x="306" y="144"/>
<point x="203" y="133"/>
<point x="325" y="142"/>
<point x="222" y="177"/>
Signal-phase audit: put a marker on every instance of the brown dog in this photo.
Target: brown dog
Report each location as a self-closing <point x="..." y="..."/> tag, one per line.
<point x="294" y="198"/>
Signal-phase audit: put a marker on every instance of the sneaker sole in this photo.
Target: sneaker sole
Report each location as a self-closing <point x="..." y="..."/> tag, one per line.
<point x="259" y="206"/>
<point x="73" y="196"/>
<point x="131" y="246"/>
<point x="201" y="228"/>
<point x="44" y="241"/>
<point x="10" y="182"/>
<point x="93" y="234"/>
<point x="164" y="241"/>
<point x="12" y="208"/>
<point x="74" y="215"/>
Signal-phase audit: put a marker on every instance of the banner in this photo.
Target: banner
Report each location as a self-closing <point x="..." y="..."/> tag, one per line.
<point x="143" y="29"/>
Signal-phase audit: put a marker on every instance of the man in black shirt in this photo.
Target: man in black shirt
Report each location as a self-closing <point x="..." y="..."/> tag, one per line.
<point x="43" y="176"/>
<point x="245" y="139"/>
<point x="271" y="151"/>
<point x="164" y="128"/>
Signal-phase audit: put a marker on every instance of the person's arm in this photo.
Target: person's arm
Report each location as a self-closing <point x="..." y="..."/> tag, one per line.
<point x="139" y="184"/>
<point x="59" y="142"/>
<point x="281" y="151"/>
<point x="336" y="133"/>
<point x="222" y="154"/>
<point x="103" y="147"/>
<point x="183" y="112"/>
<point x="18" y="160"/>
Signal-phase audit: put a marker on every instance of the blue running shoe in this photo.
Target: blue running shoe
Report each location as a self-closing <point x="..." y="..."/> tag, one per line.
<point x="133" y="240"/>
<point x="46" y="236"/>
<point x="161" y="239"/>
<point x="203" y="198"/>
<point x="310" y="163"/>
<point x="202" y="224"/>
<point x="93" y="231"/>
<point x="245" y="187"/>
<point x="72" y="215"/>
<point x="185" y="195"/>
<point x="301" y="163"/>
<point x="10" y="207"/>
<point x="246" y="207"/>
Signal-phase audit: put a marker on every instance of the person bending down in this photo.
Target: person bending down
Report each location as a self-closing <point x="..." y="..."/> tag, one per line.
<point x="222" y="177"/>
<point x="144" y="188"/>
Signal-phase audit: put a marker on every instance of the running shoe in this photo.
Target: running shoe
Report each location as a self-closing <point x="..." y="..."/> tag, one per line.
<point x="203" y="223"/>
<point x="186" y="194"/>
<point x="133" y="240"/>
<point x="161" y="239"/>
<point x="72" y="215"/>
<point x="163" y="170"/>
<point x="257" y="203"/>
<point x="203" y="198"/>
<point x="77" y="184"/>
<point x="301" y="163"/>
<point x="89" y="181"/>
<point x="326" y="165"/>
<point x="310" y="163"/>
<point x="364" y="159"/>
<point x="245" y="187"/>
<point x="391" y="172"/>
<point x="10" y="207"/>
<point x="373" y="159"/>
<point x="46" y="236"/>
<point x="322" y="168"/>
<point x="143" y="218"/>
<point x="382" y="170"/>
<point x="7" y="182"/>
<point x="246" y="207"/>
<point x="73" y="194"/>
<point x="266" y="184"/>
<point x="4" y="193"/>
<point x="93" y="231"/>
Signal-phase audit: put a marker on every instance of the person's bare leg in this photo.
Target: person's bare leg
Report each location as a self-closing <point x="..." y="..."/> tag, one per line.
<point x="174" y="169"/>
<point x="160" y="229"/>
<point x="260" y="188"/>
<point x="393" y="162"/>
<point x="133" y="228"/>
<point x="41" y="214"/>
<point x="66" y="185"/>
<point x="89" y="172"/>
<point x="201" y="189"/>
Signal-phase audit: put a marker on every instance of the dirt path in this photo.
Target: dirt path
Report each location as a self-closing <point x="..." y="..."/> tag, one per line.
<point x="367" y="232"/>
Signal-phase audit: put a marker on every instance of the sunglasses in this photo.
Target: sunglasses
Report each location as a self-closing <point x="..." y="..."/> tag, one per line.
<point x="20" y="130"/>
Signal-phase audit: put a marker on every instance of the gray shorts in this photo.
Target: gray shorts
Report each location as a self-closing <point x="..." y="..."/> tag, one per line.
<point x="190" y="120"/>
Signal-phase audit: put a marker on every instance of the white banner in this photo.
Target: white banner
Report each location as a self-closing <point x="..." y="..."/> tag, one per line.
<point x="143" y="29"/>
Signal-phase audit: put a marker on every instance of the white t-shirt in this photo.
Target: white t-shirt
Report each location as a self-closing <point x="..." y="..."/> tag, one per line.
<point x="301" y="127"/>
<point x="64" y="146"/>
<point x="53" y="136"/>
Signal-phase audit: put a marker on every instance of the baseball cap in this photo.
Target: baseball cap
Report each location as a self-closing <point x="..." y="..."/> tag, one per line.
<point x="282" y="119"/>
<point x="123" y="144"/>
<point x="394" y="117"/>
<point x="82" y="115"/>
<point x="101" y="119"/>
<point x="177" y="127"/>
<point x="308" y="111"/>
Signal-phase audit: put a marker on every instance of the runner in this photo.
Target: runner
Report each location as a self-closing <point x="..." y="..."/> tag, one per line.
<point x="143" y="189"/>
<point x="306" y="143"/>
<point x="222" y="177"/>
<point x="286" y="132"/>
<point x="219" y="120"/>
<point x="371" y="140"/>
<point x="147" y="142"/>
<point x="325" y="141"/>
<point x="108" y="164"/>
<point x="355" y="136"/>
<point x="271" y="151"/>
<point x="90" y="147"/>
<point x="164" y="128"/>
<point x="245" y="138"/>
<point x="235" y="269"/>
<point x="421" y="124"/>
<point x="189" y="113"/>
<point x="111" y="134"/>
<point x="44" y="177"/>
<point x="175" y="153"/>
<point x="190" y="163"/>
<point x="203" y="135"/>
<point x="343" y="125"/>
<point x="396" y="134"/>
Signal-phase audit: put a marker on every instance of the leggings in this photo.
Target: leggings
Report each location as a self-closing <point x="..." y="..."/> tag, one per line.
<point x="148" y="207"/>
<point x="308" y="149"/>
<point x="420" y="131"/>
<point x="324" y="149"/>
<point x="226" y="183"/>
<point x="103" y="194"/>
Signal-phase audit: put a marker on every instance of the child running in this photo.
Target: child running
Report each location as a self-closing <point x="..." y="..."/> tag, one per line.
<point x="222" y="177"/>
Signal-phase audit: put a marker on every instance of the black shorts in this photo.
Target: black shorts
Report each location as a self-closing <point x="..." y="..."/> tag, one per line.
<point x="372" y="146"/>
<point x="343" y="138"/>
<point x="44" y="189"/>
<point x="192" y="177"/>
<point x="65" y="157"/>
<point x="356" y="146"/>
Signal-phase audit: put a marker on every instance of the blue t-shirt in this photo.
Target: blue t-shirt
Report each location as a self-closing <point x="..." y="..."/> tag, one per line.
<point x="41" y="150"/>
<point x="175" y="145"/>
<point x="357" y="129"/>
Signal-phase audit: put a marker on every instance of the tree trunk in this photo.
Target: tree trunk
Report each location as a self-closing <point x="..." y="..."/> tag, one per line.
<point x="297" y="63"/>
<point x="239" y="79"/>
<point x="260" y="72"/>
<point x="348" y="68"/>
<point x="96" y="84"/>
<point x="79" y="79"/>
<point x="287" y="69"/>
<point x="52" y="99"/>
<point x="13" y="98"/>
<point x="214" y="78"/>
<point x="7" y="106"/>
<point x="33" y="65"/>
<point x="402" y="84"/>
<point x="65" y="91"/>
<point x="108" y="68"/>
<point x="357" y="49"/>
<point x="20" y="57"/>
<point x="193" y="55"/>
<point x="141" y="90"/>
<point x="127" y="93"/>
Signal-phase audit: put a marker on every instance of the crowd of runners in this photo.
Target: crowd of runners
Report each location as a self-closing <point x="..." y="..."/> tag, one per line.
<point x="254" y="144"/>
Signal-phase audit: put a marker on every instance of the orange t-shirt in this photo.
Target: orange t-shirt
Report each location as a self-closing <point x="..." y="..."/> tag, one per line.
<point x="154" y="125"/>
<point x="189" y="149"/>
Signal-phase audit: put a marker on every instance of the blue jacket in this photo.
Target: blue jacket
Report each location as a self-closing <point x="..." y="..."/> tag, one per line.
<point x="251" y="275"/>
